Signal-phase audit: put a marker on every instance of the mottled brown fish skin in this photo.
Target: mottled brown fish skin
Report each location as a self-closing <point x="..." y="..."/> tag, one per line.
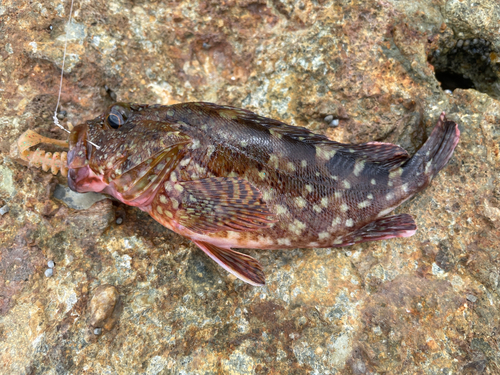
<point x="227" y="178"/>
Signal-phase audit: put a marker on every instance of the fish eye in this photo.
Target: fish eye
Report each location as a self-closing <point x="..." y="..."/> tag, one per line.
<point x="117" y="116"/>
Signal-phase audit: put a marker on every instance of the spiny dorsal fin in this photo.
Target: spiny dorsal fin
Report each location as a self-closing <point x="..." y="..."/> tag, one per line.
<point x="219" y="204"/>
<point x="242" y="266"/>
<point x="386" y="154"/>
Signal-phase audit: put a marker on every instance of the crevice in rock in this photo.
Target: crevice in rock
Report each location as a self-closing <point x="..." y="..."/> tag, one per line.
<point x="465" y="64"/>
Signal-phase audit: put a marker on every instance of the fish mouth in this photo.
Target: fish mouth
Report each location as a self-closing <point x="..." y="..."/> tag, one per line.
<point x="81" y="178"/>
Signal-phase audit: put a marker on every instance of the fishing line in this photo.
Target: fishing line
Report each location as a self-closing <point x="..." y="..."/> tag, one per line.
<point x="56" y="120"/>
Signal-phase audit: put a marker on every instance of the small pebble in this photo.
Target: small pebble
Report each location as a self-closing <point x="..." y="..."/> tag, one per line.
<point x="474" y="41"/>
<point x="472" y="298"/>
<point x="119" y="221"/>
<point x="49" y="272"/>
<point x="328" y="118"/>
<point x="51" y="264"/>
<point x="448" y="92"/>
<point x="97" y="331"/>
<point x="335" y="122"/>
<point x="460" y="43"/>
<point x="4" y="210"/>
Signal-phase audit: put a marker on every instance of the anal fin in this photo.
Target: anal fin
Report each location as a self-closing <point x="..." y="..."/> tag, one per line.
<point x="384" y="228"/>
<point x="242" y="266"/>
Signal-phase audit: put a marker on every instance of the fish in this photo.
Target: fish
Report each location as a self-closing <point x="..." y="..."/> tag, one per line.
<point x="227" y="178"/>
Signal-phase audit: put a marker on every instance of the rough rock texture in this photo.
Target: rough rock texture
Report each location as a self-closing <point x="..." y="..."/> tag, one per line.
<point x="428" y="304"/>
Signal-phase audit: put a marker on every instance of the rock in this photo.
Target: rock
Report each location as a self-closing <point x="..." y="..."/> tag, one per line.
<point x="425" y="304"/>
<point x="102" y="307"/>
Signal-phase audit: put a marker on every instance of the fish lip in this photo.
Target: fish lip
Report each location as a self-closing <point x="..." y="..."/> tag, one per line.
<point x="79" y="149"/>
<point x="81" y="178"/>
<point x="75" y="176"/>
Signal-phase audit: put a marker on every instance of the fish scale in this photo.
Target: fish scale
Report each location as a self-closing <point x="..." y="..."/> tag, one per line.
<point x="227" y="178"/>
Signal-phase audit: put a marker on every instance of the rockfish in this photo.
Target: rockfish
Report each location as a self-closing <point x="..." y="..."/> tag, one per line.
<point x="228" y="178"/>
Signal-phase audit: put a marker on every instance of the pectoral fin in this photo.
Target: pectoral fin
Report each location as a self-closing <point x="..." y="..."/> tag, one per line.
<point x="221" y="204"/>
<point x="240" y="265"/>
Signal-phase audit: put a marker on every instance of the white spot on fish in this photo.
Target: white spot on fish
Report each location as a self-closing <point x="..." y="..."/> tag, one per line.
<point x="428" y="167"/>
<point x="346" y="184"/>
<point x="336" y="221"/>
<point x="195" y="144"/>
<point x="297" y="227"/>
<point x="358" y="167"/>
<point x="300" y="202"/>
<point x="184" y="162"/>
<point x="163" y="199"/>
<point x="370" y="196"/>
<point x="303" y="163"/>
<point x="389" y="196"/>
<point x="344" y="207"/>
<point x="373" y="182"/>
<point x="175" y="203"/>
<point x="179" y="188"/>
<point x="309" y="188"/>
<point x="281" y="210"/>
<point x="323" y="154"/>
<point x="349" y="223"/>
<point x="324" y="202"/>
<point x="398" y="172"/>
<point x="364" y="204"/>
<point x="284" y="241"/>
<point x="232" y="235"/>
<point x="323" y="235"/>
<point x="274" y="161"/>
<point x="210" y="150"/>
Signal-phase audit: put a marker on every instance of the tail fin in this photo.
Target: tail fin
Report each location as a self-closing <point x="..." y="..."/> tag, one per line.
<point x="434" y="154"/>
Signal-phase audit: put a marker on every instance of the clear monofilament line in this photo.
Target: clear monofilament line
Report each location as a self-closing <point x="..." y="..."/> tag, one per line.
<point x="56" y="120"/>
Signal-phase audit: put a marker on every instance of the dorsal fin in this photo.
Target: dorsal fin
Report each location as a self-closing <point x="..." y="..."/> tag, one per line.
<point x="385" y="154"/>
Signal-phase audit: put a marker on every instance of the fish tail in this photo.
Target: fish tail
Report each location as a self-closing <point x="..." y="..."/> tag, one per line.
<point x="434" y="154"/>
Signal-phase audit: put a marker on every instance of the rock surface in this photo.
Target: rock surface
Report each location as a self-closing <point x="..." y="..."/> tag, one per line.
<point x="428" y="304"/>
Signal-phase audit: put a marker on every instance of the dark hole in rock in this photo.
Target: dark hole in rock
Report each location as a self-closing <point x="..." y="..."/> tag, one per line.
<point x="452" y="81"/>
<point x="465" y="64"/>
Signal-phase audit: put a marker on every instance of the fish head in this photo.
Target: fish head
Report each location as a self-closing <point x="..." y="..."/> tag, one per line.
<point x="135" y="144"/>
